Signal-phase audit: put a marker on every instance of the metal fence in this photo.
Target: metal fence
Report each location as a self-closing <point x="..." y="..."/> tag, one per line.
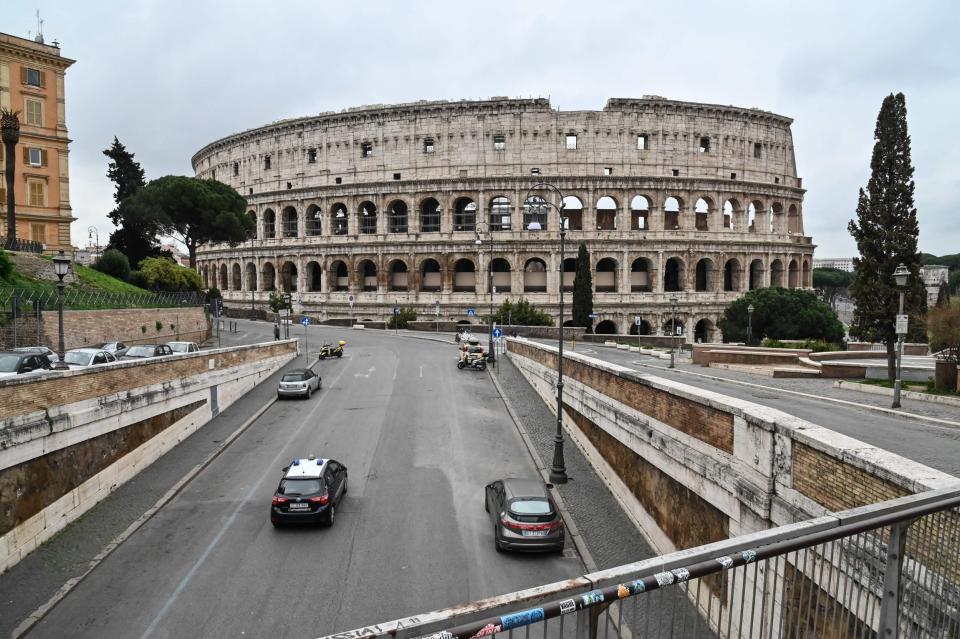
<point x="885" y="571"/>
<point x="19" y="244"/>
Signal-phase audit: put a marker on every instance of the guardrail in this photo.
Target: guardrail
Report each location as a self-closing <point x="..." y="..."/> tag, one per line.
<point x="887" y="570"/>
<point x="13" y="299"/>
<point x="19" y="244"/>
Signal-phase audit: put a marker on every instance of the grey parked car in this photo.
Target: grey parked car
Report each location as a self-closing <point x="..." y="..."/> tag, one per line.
<point x="300" y="382"/>
<point x="524" y="516"/>
<point x="119" y="349"/>
<point x="13" y="363"/>
<point x="145" y="351"/>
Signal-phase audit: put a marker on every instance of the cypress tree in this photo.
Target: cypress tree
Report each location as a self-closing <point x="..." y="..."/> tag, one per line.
<point x="582" y="290"/>
<point x="886" y="233"/>
<point x="125" y="173"/>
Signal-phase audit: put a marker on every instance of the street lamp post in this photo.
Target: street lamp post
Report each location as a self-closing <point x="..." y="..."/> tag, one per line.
<point x="749" y="323"/>
<point x="673" y="332"/>
<point x="558" y="469"/>
<point x="900" y="277"/>
<point x="92" y="233"/>
<point x="61" y="266"/>
<point x="491" y="356"/>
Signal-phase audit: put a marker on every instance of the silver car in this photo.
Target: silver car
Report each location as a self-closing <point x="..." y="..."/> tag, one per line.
<point x="84" y="357"/>
<point x="183" y="347"/>
<point x="300" y="382"/>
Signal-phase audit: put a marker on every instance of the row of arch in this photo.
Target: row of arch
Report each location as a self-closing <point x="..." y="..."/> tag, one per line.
<point x="367" y="219"/>
<point x="708" y="276"/>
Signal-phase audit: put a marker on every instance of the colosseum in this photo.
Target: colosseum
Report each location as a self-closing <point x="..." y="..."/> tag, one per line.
<point x="683" y="207"/>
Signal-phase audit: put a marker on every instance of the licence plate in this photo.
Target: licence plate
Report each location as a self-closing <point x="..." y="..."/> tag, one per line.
<point x="534" y="533"/>
<point x="299" y="507"/>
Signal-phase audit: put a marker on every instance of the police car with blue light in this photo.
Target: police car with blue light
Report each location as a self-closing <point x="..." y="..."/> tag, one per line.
<point x="310" y="491"/>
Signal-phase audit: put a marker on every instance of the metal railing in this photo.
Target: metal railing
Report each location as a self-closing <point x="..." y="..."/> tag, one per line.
<point x="888" y="570"/>
<point x="20" y="244"/>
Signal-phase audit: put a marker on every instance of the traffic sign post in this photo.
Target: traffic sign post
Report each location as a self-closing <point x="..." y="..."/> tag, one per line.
<point x="306" y="344"/>
<point x="638" y="320"/>
<point x="350" y="302"/>
<point x="436" y="307"/>
<point x="902" y="323"/>
<point x="471" y="312"/>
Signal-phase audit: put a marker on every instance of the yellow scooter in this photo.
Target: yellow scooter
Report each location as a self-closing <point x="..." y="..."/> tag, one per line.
<point x="328" y="350"/>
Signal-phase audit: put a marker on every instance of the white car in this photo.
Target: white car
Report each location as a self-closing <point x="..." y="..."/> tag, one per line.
<point x="183" y="347"/>
<point x="84" y="357"/>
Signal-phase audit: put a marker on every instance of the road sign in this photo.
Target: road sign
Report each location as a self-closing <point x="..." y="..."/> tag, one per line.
<point x="471" y="312"/>
<point x="350" y="298"/>
<point x="497" y="332"/>
<point x="638" y="320"/>
<point x="396" y="310"/>
<point x="305" y="321"/>
<point x="594" y="316"/>
<point x="437" y="308"/>
<point x="902" y="324"/>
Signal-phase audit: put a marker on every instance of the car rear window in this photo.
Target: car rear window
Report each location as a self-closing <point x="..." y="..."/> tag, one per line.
<point x="531" y="510"/>
<point x="141" y="351"/>
<point x="8" y="363"/>
<point x="295" y="487"/>
<point x="294" y="377"/>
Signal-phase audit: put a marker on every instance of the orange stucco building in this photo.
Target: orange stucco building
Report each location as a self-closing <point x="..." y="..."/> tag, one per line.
<point x="32" y="82"/>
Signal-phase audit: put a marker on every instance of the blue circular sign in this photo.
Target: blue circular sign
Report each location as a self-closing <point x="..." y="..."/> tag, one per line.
<point x="305" y="321"/>
<point x="497" y="332"/>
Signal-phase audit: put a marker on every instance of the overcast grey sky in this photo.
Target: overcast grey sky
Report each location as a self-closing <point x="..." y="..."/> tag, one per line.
<point x="169" y="76"/>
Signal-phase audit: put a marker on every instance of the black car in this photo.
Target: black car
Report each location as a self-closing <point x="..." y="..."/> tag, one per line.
<point x="13" y="363"/>
<point x="310" y="491"/>
<point x="524" y="515"/>
<point x="143" y="351"/>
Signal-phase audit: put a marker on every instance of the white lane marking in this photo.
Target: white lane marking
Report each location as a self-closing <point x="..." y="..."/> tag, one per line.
<point x="421" y="371"/>
<point x="369" y="372"/>
<point x="185" y="581"/>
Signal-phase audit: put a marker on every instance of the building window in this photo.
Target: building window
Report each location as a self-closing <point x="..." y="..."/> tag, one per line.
<point x="534" y="171"/>
<point x="757" y="150"/>
<point x="396" y="176"/>
<point x="676" y="172"/>
<point x="236" y="169"/>
<point x="339" y="180"/>
<point x="704" y="145"/>
<point x="607" y="170"/>
<point x="35" y="157"/>
<point x="311" y="156"/>
<point x="38" y="232"/>
<point x="251" y="190"/>
<point x="776" y="180"/>
<point x="36" y="193"/>
<point x="366" y="150"/>
<point x="428" y="145"/>
<point x="266" y="163"/>
<point x="33" y="112"/>
<point x="213" y="174"/>
<point x="499" y="142"/>
<point x="289" y="185"/>
<point x="733" y="176"/>
<point x="642" y="142"/>
<point x="571" y="141"/>
<point x="3" y="195"/>
<point x="33" y="77"/>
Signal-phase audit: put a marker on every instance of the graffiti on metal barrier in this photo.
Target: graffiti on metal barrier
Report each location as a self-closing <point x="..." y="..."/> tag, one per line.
<point x="623" y="592"/>
<point x="489" y="629"/>
<point x="664" y="578"/>
<point x="726" y="562"/>
<point x="521" y="618"/>
<point x="592" y="598"/>
<point x="567" y="606"/>
<point x="749" y="556"/>
<point x="682" y="575"/>
<point x="638" y="586"/>
<point x="443" y="634"/>
<point x="366" y="632"/>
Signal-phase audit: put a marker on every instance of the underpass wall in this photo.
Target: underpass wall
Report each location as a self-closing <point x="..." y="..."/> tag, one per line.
<point x="67" y="440"/>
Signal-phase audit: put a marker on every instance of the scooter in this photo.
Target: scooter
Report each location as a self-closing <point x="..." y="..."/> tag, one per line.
<point x="328" y="350"/>
<point x="473" y="360"/>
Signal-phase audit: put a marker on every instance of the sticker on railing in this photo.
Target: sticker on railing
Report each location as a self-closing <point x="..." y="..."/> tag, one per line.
<point x="726" y="562"/>
<point x="592" y="598"/>
<point x="521" y="618"/>
<point x="664" y="578"/>
<point x="567" y="606"/>
<point x="623" y="592"/>
<point x="487" y="630"/>
<point x="749" y="555"/>
<point x="682" y="575"/>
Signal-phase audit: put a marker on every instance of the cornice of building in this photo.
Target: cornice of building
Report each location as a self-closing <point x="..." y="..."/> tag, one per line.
<point x="29" y="50"/>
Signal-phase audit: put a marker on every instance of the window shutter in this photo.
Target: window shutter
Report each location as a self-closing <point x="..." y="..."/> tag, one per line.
<point x="43" y="79"/>
<point x="26" y="155"/>
<point x="23" y="75"/>
<point x="43" y="157"/>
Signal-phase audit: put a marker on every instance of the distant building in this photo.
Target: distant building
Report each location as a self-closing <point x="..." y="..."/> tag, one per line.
<point x="179" y="256"/>
<point x="933" y="276"/>
<point x="32" y="82"/>
<point x="842" y="263"/>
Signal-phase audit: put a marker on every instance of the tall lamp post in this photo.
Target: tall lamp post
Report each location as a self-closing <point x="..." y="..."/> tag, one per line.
<point x="749" y="323"/>
<point x="491" y="355"/>
<point x="900" y="277"/>
<point x="558" y="469"/>
<point x="673" y="332"/>
<point x="92" y="233"/>
<point x="61" y="266"/>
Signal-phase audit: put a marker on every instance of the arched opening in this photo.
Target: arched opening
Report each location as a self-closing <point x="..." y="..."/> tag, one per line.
<point x="224" y="285"/>
<point x="314" y="273"/>
<point x="397" y="217"/>
<point x="313" y="220"/>
<point x="535" y="276"/>
<point x="704" y="276"/>
<point x="569" y="273"/>
<point x="573" y="210"/>
<point x="368" y="275"/>
<point x="464" y="276"/>
<point x="501" y="275"/>
<point x="753" y="210"/>
<point x="535" y="213"/>
<point x="702" y="209"/>
<point x="673" y="275"/>
<point x="399" y="277"/>
<point x="606" y="276"/>
<point x="339" y="220"/>
<point x="269" y="224"/>
<point x="251" y="269"/>
<point x="269" y="277"/>
<point x="253" y="229"/>
<point x="235" y="274"/>
<point x="730" y="211"/>
<point x="806" y="281"/>
<point x="793" y="275"/>
<point x="641" y="275"/>
<point x="568" y="322"/>
<point x="671" y="214"/>
<point x="756" y="274"/>
<point x="703" y="331"/>
<point x="500" y="214"/>
<point x="777" y="222"/>
<point x="367" y="218"/>
<point x="430" y="216"/>
<point x="643" y="329"/>
<point x="793" y="220"/>
<point x="673" y="326"/>
<point x="464" y="214"/>
<point x="731" y="275"/>
<point x="340" y="276"/>
<point x="289" y="222"/>
<point x="606" y="327"/>
<point x="288" y="277"/>
<point x="606" y="214"/>
<point x="639" y="213"/>
<point x="776" y="273"/>
<point x="430" y="281"/>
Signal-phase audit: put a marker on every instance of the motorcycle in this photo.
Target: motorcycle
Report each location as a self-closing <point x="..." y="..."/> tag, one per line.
<point x="472" y="359"/>
<point x="329" y="350"/>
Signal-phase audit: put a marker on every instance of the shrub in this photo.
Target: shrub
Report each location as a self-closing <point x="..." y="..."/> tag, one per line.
<point x="278" y="301"/>
<point x="163" y="274"/>
<point x="159" y="325"/>
<point x="406" y="316"/>
<point x="213" y="293"/>
<point x="113" y="263"/>
<point x="143" y="329"/>
<point x="815" y="345"/>
<point x="783" y="314"/>
<point x="944" y="326"/>
<point x="6" y="266"/>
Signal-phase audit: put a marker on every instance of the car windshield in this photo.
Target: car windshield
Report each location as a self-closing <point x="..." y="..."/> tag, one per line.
<point x="140" y="351"/>
<point x="8" y="363"/>
<point x="297" y="487"/>
<point x="530" y="506"/>
<point x="76" y="357"/>
<point x="295" y="377"/>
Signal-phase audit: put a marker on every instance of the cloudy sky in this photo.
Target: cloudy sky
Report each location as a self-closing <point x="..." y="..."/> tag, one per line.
<point x="169" y="76"/>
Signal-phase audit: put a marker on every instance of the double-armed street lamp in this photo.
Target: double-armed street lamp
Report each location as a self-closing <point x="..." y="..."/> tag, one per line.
<point x="558" y="469"/>
<point x="900" y="278"/>
<point x="61" y="266"/>
<point x="479" y="242"/>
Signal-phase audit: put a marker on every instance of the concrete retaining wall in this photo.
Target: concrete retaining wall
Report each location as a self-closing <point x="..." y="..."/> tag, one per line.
<point x="67" y="440"/>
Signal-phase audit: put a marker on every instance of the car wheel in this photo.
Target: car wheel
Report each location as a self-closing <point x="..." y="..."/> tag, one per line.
<point x="481" y="366"/>
<point x="486" y="504"/>
<point x="276" y="524"/>
<point x="460" y="365"/>
<point x="279" y="396"/>
<point x="344" y="485"/>
<point x="309" y="392"/>
<point x="331" y="514"/>
<point x="496" y="542"/>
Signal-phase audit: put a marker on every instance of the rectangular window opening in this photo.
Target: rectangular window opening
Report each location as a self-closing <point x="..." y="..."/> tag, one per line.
<point x="33" y="115"/>
<point x="607" y="170"/>
<point x="676" y="172"/>
<point x="428" y="145"/>
<point x="311" y="156"/>
<point x="236" y="169"/>
<point x="534" y="171"/>
<point x="571" y="141"/>
<point x="776" y="180"/>
<point x="36" y="157"/>
<point x="757" y="150"/>
<point x="396" y="176"/>
<point x="339" y="180"/>
<point x="642" y="142"/>
<point x="704" y="145"/>
<point x="499" y="142"/>
<point x="366" y="150"/>
<point x="733" y="176"/>
<point x="266" y="163"/>
<point x="33" y="77"/>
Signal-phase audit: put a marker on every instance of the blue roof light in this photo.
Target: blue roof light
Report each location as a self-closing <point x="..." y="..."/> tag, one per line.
<point x="296" y="462"/>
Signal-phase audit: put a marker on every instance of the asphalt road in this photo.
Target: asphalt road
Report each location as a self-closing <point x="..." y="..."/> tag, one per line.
<point x="420" y="440"/>
<point x="926" y="441"/>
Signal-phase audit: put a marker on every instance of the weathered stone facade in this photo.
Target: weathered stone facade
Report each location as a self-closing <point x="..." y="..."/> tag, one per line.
<point x="384" y="205"/>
